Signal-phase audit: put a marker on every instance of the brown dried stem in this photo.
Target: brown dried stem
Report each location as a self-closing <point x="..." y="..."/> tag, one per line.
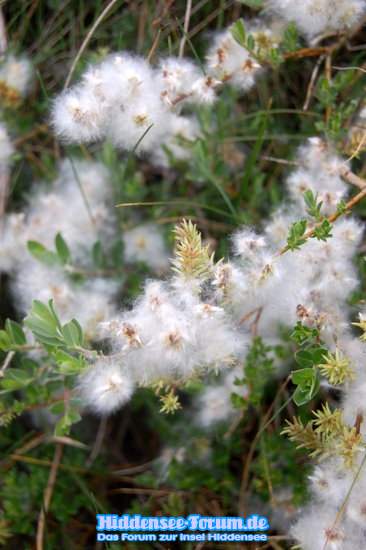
<point x="48" y="495"/>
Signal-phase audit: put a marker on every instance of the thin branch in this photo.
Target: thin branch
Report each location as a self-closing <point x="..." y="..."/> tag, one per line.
<point x="6" y="363"/>
<point x="87" y="40"/>
<point x="314" y="74"/>
<point x="48" y="495"/>
<point x="352" y="178"/>
<point x="345" y="501"/>
<point x="358" y="148"/>
<point x="67" y="441"/>
<point x="154" y="46"/>
<point x="283" y="161"/>
<point x="187" y="18"/>
<point x="28" y="446"/>
<point x="328" y="76"/>
<point x="248" y="315"/>
<point x="98" y="441"/>
<point x="349" y="69"/>
<point x="307" y="52"/>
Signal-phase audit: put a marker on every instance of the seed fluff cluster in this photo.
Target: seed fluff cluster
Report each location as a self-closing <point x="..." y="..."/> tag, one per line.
<point x="202" y="316"/>
<point x="133" y="104"/>
<point x="78" y="205"/>
<point x="16" y="79"/>
<point x="173" y="333"/>
<point x="201" y="319"/>
<point x="313" y="17"/>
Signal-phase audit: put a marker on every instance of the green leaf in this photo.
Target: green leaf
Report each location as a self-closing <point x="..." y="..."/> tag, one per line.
<point x="16" y="378"/>
<point x="40" y="326"/>
<point x="54" y="385"/>
<point x="11" y="385"/>
<point x="36" y="249"/>
<point x="57" y="408"/>
<point x="80" y="336"/>
<point x="251" y="42"/>
<point x="290" y="38"/>
<point x="303" y="334"/>
<point x="309" y="198"/>
<point x="237" y="401"/>
<point x="304" y="358"/>
<point x="238" y="32"/>
<point x="117" y="253"/>
<point x="201" y="151"/>
<point x="300" y="396"/>
<point x="43" y="332"/>
<point x="323" y="232"/>
<point x="341" y="207"/>
<point x="4" y="340"/>
<point x="252" y="3"/>
<point x="68" y="368"/>
<point x="67" y="364"/>
<point x="40" y="310"/>
<point x="62" y="249"/>
<point x="314" y="207"/>
<point x="63" y="426"/>
<point x="275" y="57"/>
<point x="295" y="238"/>
<point x="304" y="395"/>
<point x="303" y="376"/>
<point x="327" y="92"/>
<point x="41" y="253"/>
<point x="71" y="334"/>
<point x="15" y="333"/>
<point x="308" y="385"/>
<point x="30" y="365"/>
<point x="54" y="315"/>
<point x="45" y="324"/>
<point x="74" y="416"/>
<point x="98" y="255"/>
<point x="318" y="355"/>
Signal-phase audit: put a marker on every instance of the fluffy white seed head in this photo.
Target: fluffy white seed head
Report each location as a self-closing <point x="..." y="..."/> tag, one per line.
<point x="184" y="131"/>
<point x="77" y="116"/>
<point x="119" y="100"/>
<point x="12" y="242"/>
<point x="356" y="510"/>
<point x="320" y="172"/>
<point x="214" y="404"/>
<point x="17" y="73"/>
<point x="327" y="534"/>
<point x="176" y="76"/>
<point x="105" y="387"/>
<point x="249" y="245"/>
<point x="203" y="89"/>
<point x="330" y="483"/>
<point x="90" y="303"/>
<point x="318" y="16"/>
<point x="228" y="58"/>
<point x="146" y="244"/>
